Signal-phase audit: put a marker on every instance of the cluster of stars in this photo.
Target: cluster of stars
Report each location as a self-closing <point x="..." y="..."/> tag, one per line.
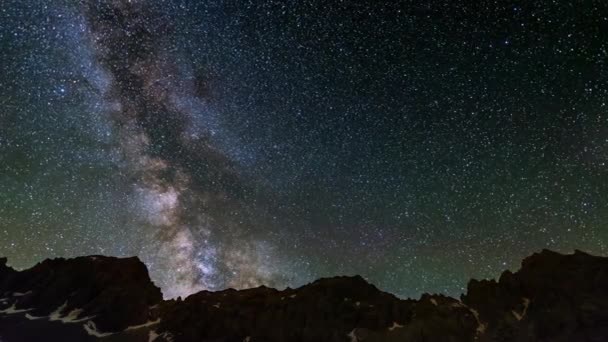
<point x="263" y="142"/>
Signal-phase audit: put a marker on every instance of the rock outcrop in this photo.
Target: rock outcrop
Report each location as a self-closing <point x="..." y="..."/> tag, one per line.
<point x="332" y="309"/>
<point x="553" y="297"/>
<point x="107" y="293"/>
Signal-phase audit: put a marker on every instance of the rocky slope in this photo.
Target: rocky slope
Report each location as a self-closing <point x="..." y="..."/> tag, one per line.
<point x="553" y="297"/>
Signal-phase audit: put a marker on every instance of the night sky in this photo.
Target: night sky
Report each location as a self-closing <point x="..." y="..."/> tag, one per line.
<point x="240" y="143"/>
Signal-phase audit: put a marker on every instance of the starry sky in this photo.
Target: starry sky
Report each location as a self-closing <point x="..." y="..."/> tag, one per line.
<point x="240" y="143"/>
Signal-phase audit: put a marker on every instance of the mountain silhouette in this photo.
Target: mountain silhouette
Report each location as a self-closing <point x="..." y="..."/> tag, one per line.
<point x="553" y="297"/>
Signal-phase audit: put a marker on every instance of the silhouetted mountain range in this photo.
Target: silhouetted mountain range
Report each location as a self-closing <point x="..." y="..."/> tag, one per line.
<point x="553" y="297"/>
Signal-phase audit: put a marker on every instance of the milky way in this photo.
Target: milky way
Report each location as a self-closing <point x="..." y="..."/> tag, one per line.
<point x="170" y="148"/>
<point x="234" y="144"/>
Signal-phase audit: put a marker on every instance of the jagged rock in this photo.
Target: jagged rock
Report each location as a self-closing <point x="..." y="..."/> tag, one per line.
<point x="115" y="293"/>
<point x="326" y="310"/>
<point x="6" y="273"/>
<point x="553" y="297"/>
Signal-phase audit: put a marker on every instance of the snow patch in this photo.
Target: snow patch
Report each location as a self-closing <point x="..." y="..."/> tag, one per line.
<point x="358" y="303"/>
<point x="247" y="339"/>
<point x="395" y="326"/>
<point x="481" y="327"/>
<point x="293" y="296"/>
<point x="353" y="335"/>
<point x="519" y="316"/>
<point x="147" y="324"/>
<point x="56" y="315"/>
<point x="434" y="301"/>
<point x="91" y="329"/>
<point x="33" y="318"/>
<point x="14" y="310"/>
<point x="20" y="294"/>
<point x="167" y="336"/>
<point x="457" y="305"/>
<point x="71" y="317"/>
<point x="152" y="335"/>
<point x="217" y="305"/>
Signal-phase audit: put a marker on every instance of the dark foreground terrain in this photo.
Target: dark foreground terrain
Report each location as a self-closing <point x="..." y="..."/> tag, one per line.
<point x="553" y="297"/>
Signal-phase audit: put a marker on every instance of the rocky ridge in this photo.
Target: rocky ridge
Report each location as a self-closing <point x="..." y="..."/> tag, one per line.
<point x="553" y="297"/>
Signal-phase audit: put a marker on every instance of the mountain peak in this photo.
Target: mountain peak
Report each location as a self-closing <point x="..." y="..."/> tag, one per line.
<point x="553" y="297"/>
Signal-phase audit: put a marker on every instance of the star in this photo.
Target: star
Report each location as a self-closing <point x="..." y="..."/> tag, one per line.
<point x="234" y="146"/>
